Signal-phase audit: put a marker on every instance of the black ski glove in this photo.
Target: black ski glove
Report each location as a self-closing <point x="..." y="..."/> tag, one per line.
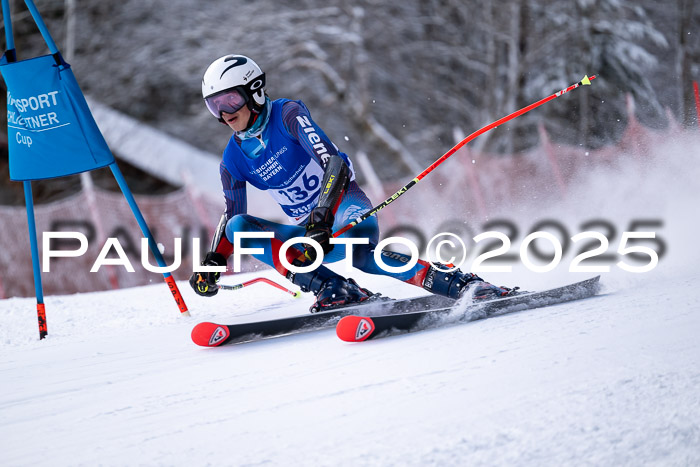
<point x="204" y="283"/>
<point x="318" y="227"/>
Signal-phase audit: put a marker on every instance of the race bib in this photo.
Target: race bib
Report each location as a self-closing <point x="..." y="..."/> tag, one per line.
<point x="300" y="195"/>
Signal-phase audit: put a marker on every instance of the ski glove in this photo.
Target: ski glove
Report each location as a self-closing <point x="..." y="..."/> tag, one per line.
<point x="204" y="283"/>
<point x="319" y="227"/>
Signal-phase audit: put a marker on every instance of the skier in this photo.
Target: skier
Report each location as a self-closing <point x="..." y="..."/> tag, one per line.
<point x="276" y="146"/>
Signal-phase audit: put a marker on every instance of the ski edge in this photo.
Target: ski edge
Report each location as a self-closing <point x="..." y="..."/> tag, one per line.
<point x="357" y="328"/>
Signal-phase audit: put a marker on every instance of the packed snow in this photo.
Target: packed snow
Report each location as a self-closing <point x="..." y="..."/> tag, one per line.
<point x="610" y="380"/>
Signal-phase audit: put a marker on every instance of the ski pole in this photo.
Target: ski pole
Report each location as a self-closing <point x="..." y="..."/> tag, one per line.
<point x="584" y="82"/>
<point x="296" y="294"/>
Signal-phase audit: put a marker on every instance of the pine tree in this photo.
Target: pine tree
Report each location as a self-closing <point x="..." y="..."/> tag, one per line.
<point x="608" y="38"/>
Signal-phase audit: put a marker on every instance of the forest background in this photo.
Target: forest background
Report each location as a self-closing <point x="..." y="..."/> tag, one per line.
<point x="392" y="79"/>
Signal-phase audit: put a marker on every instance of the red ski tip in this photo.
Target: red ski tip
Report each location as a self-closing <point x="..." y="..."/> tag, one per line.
<point x="354" y="328"/>
<point x="209" y="334"/>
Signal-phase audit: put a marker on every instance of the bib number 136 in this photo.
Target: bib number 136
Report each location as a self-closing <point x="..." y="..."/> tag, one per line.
<point x="303" y="187"/>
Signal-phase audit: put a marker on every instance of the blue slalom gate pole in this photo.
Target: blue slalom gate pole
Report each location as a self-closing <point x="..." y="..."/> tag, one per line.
<point x="31" y="223"/>
<point x="42" y="26"/>
<point x="11" y="56"/>
<point x="169" y="279"/>
<point x="70" y="144"/>
<point x="9" y="36"/>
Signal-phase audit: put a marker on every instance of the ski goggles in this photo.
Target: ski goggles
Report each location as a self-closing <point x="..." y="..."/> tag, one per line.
<point x="230" y="101"/>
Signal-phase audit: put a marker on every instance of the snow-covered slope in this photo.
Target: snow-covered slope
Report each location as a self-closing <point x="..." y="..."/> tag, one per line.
<point x="611" y="380"/>
<point x="606" y="381"/>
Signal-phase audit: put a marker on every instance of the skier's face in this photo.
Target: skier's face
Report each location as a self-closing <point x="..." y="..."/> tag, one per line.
<point x="239" y="120"/>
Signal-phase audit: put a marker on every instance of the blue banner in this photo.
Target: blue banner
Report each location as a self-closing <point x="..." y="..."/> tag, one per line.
<point x="50" y="130"/>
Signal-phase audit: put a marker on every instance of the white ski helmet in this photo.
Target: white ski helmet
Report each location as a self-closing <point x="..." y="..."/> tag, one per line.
<point x="234" y="72"/>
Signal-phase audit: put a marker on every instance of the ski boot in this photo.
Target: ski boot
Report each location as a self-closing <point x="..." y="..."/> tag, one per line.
<point x="456" y="284"/>
<point x="331" y="289"/>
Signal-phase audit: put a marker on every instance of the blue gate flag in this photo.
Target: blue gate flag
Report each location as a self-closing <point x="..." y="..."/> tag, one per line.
<point x="51" y="132"/>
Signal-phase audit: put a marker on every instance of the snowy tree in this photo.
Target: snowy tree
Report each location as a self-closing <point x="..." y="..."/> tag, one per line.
<point x="392" y="79"/>
<point x="687" y="58"/>
<point x="608" y="38"/>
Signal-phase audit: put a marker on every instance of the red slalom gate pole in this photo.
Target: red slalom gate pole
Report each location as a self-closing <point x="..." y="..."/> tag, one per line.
<point x="697" y="100"/>
<point x="584" y="82"/>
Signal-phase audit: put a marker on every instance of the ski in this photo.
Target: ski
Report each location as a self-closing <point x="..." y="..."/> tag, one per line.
<point x="356" y="328"/>
<point x="209" y="334"/>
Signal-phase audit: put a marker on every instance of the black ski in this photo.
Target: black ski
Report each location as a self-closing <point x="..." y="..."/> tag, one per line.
<point x="212" y="334"/>
<point x="356" y="328"/>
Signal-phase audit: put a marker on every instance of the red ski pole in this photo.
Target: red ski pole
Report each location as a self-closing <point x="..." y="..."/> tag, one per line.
<point x="296" y="294"/>
<point x="585" y="81"/>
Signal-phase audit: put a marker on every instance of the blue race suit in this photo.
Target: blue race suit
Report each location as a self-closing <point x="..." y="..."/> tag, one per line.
<point x="284" y="153"/>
